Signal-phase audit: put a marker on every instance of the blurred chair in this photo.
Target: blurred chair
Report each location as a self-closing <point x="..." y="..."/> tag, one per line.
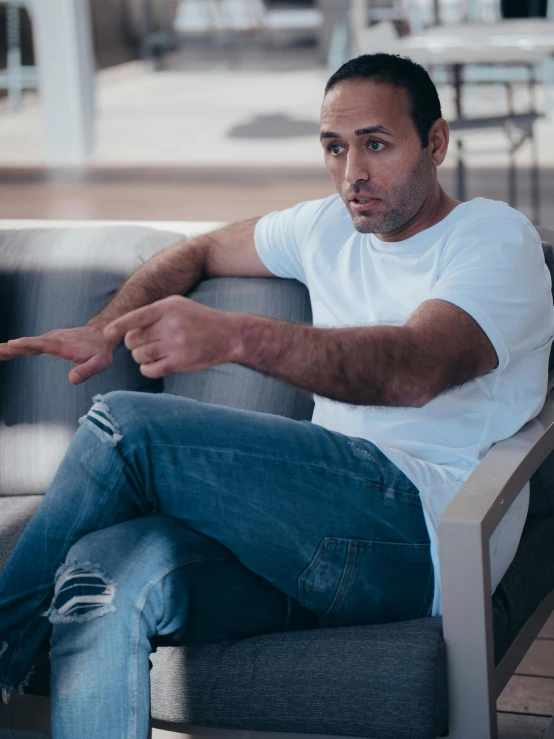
<point x="212" y="18"/>
<point x="208" y="16"/>
<point x="17" y="77"/>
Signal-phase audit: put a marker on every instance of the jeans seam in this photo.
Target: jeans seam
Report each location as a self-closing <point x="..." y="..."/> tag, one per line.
<point x="136" y="633"/>
<point x="310" y="567"/>
<point x="265" y="457"/>
<point x="346" y="577"/>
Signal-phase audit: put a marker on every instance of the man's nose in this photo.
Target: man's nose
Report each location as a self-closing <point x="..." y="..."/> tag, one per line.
<point x="356" y="168"/>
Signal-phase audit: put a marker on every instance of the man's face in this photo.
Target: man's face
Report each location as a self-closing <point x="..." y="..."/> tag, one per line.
<point x="372" y="151"/>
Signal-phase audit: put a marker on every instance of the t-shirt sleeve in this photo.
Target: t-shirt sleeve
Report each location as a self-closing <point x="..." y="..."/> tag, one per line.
<point x="281" y="235"/>
<point x="494" y="269"/>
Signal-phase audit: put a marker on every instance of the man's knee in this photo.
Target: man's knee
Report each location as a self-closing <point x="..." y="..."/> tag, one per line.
<point x="102" y="418"/>
<point x="125" y="413"/>
<point x="82" y="592"/>
<point x="121" y="559"/>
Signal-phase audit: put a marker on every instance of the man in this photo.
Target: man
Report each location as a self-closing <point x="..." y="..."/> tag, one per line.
<point x="432" y="328"/>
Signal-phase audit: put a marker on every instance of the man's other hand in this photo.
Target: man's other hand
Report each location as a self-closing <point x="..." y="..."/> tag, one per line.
<point x="176" y="335"/>
<point x="86" y="346"/>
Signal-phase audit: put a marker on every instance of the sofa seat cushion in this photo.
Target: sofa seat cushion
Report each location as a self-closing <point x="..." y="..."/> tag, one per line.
<point x="15" y="514"/>
<point x="382" y="682"/>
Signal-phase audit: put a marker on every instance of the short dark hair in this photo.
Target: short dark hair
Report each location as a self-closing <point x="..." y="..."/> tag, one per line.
<point x="399" y="71"/>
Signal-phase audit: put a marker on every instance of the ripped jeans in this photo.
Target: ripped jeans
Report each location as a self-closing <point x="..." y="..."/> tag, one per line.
<point x="269" y="524"/>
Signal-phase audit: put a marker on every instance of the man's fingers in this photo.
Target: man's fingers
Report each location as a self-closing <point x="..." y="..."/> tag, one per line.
<point x="151" y="352"/>
<point x="33" y="345"/>
<point x="138" y="336"/>
<point x="154" y="370"/>
<point x="10" y="352"/>
<point x="96" y="364"/>
<point x="135" y="319"/>
<point x="26" y="347"/>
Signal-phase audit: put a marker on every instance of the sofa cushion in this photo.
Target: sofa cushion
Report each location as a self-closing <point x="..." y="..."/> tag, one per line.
<point x="58" y="278"/>
<point x="237" y="386"/>
<point x="384" y="682"/>
<point x="15" y="514"/>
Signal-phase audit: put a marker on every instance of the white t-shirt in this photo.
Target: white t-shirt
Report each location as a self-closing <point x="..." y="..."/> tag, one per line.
<point x="484" y="257"/>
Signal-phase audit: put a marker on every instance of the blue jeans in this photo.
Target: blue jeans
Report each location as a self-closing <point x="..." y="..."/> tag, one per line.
<point x="174" y="520"/>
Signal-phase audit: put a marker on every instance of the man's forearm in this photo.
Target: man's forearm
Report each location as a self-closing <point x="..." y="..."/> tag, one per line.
<point x="362" y="366"/>
<point x="173" y="271"/>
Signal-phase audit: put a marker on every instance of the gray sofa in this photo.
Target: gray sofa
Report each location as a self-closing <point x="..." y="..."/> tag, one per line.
<point x="381" y="682"/>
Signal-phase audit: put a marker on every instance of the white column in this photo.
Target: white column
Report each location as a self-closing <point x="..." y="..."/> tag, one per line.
<point x="358" y="22"/>
<point x="473" y="14"/>
<point x="65" y="60"/>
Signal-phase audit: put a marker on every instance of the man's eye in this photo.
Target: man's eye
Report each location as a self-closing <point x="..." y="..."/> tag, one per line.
<point x="376" y="145"/>
<point x="333" y="148"/>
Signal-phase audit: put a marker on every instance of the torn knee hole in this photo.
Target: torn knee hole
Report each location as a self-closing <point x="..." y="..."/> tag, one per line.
<point x="82" y="592"/>
<point x="101" y="422"/>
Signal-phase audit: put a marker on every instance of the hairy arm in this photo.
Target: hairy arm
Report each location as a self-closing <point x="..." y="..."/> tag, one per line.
<point x="227" y="251"/>
<point x="176" y="270"/>
<point x="439" y="348"/>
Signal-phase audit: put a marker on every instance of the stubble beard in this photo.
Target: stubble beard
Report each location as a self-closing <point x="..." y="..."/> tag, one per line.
<point x="405" y="200"/>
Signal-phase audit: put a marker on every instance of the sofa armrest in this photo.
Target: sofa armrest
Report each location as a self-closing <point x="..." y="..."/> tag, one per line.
<point x="465" y="529"/>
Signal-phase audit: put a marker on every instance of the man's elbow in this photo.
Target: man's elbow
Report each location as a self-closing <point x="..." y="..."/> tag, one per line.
<point x="417" y="392"/>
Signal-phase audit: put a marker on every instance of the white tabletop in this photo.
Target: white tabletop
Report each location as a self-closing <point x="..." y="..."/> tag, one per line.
<point x="505" y="42"/>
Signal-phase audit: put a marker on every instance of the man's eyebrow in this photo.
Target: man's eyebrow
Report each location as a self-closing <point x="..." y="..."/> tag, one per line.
<point x="360" y="132"/>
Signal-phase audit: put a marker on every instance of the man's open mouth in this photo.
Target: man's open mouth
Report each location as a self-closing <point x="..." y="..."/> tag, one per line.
<point x="361" y="204"/>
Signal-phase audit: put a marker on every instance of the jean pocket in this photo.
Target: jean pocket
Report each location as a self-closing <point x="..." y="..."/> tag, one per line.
<point x="357" y="581"/>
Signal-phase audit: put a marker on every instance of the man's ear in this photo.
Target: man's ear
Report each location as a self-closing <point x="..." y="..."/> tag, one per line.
<point x="439" y="136"/>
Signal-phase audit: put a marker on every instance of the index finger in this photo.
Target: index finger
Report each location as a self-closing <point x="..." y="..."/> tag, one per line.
<point x="10" y="352"/>
<point x="32" y="345"/>
<point x="138" y="318"/>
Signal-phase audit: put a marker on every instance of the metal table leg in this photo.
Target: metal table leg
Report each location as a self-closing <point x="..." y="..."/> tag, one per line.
<point x="534" y="170"/>
<point x="146" y="29"/>
<point x="512" y="174"/>
<point x="14" y="56"/>
<point x="460" y="168"/>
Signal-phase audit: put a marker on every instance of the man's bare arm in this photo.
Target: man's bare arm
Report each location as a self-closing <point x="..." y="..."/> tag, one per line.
<point x="227" y="252"/>
<point x="439" y="348"/>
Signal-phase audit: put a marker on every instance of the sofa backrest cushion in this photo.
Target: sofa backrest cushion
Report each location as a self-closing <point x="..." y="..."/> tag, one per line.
<point x="58" y="278"/>
<point x="232" y="384"/>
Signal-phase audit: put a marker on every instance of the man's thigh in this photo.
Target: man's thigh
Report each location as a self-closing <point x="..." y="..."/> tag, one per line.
<point x="326" y="518"/>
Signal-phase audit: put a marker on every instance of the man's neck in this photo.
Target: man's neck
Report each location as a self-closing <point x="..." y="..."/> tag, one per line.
<point x="433" y="210"/>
